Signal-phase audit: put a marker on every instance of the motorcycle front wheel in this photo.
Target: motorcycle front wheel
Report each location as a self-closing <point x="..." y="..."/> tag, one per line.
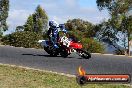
<point x="84" y="54"/>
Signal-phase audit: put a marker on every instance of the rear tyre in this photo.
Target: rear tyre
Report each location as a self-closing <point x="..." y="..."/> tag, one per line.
<point x="47" y="50"/>
<point x="84" y="54"/>
<point x="64" y="52"/>
<point x="53" y="52"/>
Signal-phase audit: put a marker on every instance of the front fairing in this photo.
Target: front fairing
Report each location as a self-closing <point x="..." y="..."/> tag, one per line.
<point x="75" y="45"/>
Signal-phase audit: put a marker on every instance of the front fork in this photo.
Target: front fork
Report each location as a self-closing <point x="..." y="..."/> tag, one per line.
<point x="72" y="50"/>
<point x="79" y="52"/>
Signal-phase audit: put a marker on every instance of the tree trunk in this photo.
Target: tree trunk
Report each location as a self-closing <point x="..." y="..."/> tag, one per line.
<point x="128" y="45"/>
<point x="125" y="50"/>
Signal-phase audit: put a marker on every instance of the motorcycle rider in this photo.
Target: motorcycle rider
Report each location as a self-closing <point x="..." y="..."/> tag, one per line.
<point x="53" y="32"/>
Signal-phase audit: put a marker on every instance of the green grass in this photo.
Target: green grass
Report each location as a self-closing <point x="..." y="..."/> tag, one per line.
<point x="15" y="77"/>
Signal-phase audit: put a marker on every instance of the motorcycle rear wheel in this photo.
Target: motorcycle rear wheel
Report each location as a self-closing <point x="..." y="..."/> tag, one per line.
<point x="64" y="52"/>
<point x="51" y="52"/>
<point x="47" y="50"/>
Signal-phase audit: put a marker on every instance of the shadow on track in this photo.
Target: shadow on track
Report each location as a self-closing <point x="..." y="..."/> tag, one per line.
<point x="42" y="55"/>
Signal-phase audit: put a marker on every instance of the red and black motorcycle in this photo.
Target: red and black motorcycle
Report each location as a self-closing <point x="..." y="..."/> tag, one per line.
<point x="66" y="47"/>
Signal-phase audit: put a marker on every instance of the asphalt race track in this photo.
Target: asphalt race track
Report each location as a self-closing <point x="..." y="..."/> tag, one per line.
<point x="39" y="59"/>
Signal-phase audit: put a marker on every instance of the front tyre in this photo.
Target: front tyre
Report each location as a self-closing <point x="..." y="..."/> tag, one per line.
<point x="84" y="54"/>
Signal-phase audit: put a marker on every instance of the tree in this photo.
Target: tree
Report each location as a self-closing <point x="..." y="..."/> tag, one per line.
<point x="40" y="19"/>
<point x="37" y="22"/>
<point x="84" y="31"/>
<point x="29" y="25"/>
<point x="19" y="28"/>
<point x="92" y="45"/>
<point x="119" y="12"/>
<point x="84" y="27"/>
<point x="25" y="39"/>
<point x="126" y="27"/>
<point x="108" y="34"/>
<point x="4" y="8"/>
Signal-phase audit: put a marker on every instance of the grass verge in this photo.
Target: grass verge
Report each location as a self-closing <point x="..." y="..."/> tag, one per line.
<point x="15" y="77"/>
